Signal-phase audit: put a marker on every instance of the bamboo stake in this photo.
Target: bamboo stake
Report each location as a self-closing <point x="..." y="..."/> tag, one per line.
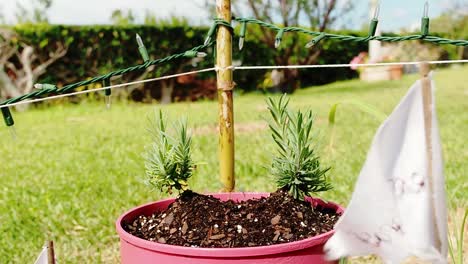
<point x="225" y="102"/>
<point x="424" y="69"/>
<point x="50" y="252"/>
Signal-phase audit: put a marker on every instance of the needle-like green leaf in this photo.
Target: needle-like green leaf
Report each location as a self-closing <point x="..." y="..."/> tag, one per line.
<point x="297" y="167"/>
<point x="168" y="160"/>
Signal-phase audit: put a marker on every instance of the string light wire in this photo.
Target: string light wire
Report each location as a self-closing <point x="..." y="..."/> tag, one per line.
<point x="107" y="87"/>
<point x="260" y="67"/>
<point x="67" y="90"/>
<point x="344" y="65"/>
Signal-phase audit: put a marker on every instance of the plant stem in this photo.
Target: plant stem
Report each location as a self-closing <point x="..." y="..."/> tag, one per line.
<point x="225" y="102"/>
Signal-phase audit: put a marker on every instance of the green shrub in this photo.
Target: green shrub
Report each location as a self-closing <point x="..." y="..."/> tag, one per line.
<point x="97" y="49"/>
<point x="297" y="166"/>
<point x="169" y="162"/>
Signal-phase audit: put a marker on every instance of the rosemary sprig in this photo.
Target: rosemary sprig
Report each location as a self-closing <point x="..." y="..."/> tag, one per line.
<point x="168" y="159"/>
<point x="297" y="166"/>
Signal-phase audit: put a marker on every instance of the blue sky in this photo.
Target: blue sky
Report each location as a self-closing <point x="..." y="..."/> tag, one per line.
<point x="394" y="14"/>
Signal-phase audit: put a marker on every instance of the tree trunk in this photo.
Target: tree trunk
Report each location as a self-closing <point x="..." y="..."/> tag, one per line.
<point x="167" y="87"/>
<point x="9" y="90"/>
<point x="461" y="52"/>
<point x="277" y="78"/>
<point x="290" y="80"/>
<point x="6" y="85"/>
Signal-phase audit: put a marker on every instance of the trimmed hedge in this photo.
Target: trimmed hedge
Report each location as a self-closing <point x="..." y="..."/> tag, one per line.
<point x="96" y="50"/>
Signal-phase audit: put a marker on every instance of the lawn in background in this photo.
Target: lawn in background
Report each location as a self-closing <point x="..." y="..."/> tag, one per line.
<point x="75" y="168"/>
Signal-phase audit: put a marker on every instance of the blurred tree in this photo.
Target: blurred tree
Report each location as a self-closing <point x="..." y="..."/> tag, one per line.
<point x="171" y="21"/>
<point x="34" y="12"/>
<point x="454" y="22"/>
<point x="127" y="17"/>
<point x="168" y="86"/>
<point x="2" y="16"/>
<point x="123" y="17"/>
<point x="318" y="15"/>
<point x="21" y="65"/>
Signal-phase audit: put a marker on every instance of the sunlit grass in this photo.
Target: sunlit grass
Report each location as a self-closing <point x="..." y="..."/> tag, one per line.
<point x="75" y="168"/>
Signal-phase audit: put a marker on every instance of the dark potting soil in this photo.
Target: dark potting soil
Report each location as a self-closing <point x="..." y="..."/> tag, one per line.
<point x="196" y="220"/>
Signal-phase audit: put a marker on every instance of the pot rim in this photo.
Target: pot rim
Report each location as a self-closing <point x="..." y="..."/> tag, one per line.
<point x="225" y="252"/>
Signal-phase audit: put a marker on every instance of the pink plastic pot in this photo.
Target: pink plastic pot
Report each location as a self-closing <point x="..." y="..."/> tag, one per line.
<point x="137" y="250"/>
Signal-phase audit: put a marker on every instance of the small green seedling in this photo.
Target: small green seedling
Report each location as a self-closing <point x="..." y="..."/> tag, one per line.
<point x="297" y="166"/>
<point x="366" y="108"/>
<point x="168" y="159"/>
<point x="456" y="247"/>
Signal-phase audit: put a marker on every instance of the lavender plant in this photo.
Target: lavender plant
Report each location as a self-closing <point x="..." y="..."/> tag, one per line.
<point x="169" y="161"/>
<point x="297" y="166"/>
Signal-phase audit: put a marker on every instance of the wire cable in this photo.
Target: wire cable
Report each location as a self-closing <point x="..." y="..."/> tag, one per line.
<point x="260" y="67"/>
<point x="106" y="87"/>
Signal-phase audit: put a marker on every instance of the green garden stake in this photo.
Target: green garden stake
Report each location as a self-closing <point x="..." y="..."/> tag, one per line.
<point x="107" y="92"/>
<point x="278" y="38"/>
<point x="315" y="40"/>
<point x="425" y="21"/>
<point x="142" y="49"/>
<point x="210" y="34"/>
<point x="242" y="35"/>
<point x="8" y="118"/>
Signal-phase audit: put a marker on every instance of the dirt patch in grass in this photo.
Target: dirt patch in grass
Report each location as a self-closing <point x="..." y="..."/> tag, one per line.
<point x="241" y="128"/>
<point x="195" y="220"/>
<point x="250" y="127"/>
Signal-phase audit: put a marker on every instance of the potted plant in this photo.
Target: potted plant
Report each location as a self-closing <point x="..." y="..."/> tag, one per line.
<point x="391" y="72"/>
<point x="396" y="72"/>
<point x="287" y="226"/>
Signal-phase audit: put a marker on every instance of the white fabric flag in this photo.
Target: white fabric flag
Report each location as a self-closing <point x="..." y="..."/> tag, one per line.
<point x="43" y="257"/>
<point x="393" y="213"/>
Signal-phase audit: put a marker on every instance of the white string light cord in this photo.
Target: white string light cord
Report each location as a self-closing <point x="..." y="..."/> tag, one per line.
<point x="234" y="68"/>
<point x="344" y="65"/>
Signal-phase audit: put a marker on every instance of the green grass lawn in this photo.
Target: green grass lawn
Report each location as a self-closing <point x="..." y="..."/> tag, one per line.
<point x="75" y="168"/>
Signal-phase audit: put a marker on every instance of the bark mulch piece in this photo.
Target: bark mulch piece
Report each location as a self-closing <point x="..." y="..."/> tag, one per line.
<point x="196" y="220"/>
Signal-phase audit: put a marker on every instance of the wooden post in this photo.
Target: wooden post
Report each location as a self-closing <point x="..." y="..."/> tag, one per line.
<point x="225" y="102"/>
<point x="424" y="69"/>
<point x="50" y="252"/>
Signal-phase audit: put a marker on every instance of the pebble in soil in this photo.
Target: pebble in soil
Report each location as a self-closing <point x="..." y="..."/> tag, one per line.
<point x="195" y="220"/>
